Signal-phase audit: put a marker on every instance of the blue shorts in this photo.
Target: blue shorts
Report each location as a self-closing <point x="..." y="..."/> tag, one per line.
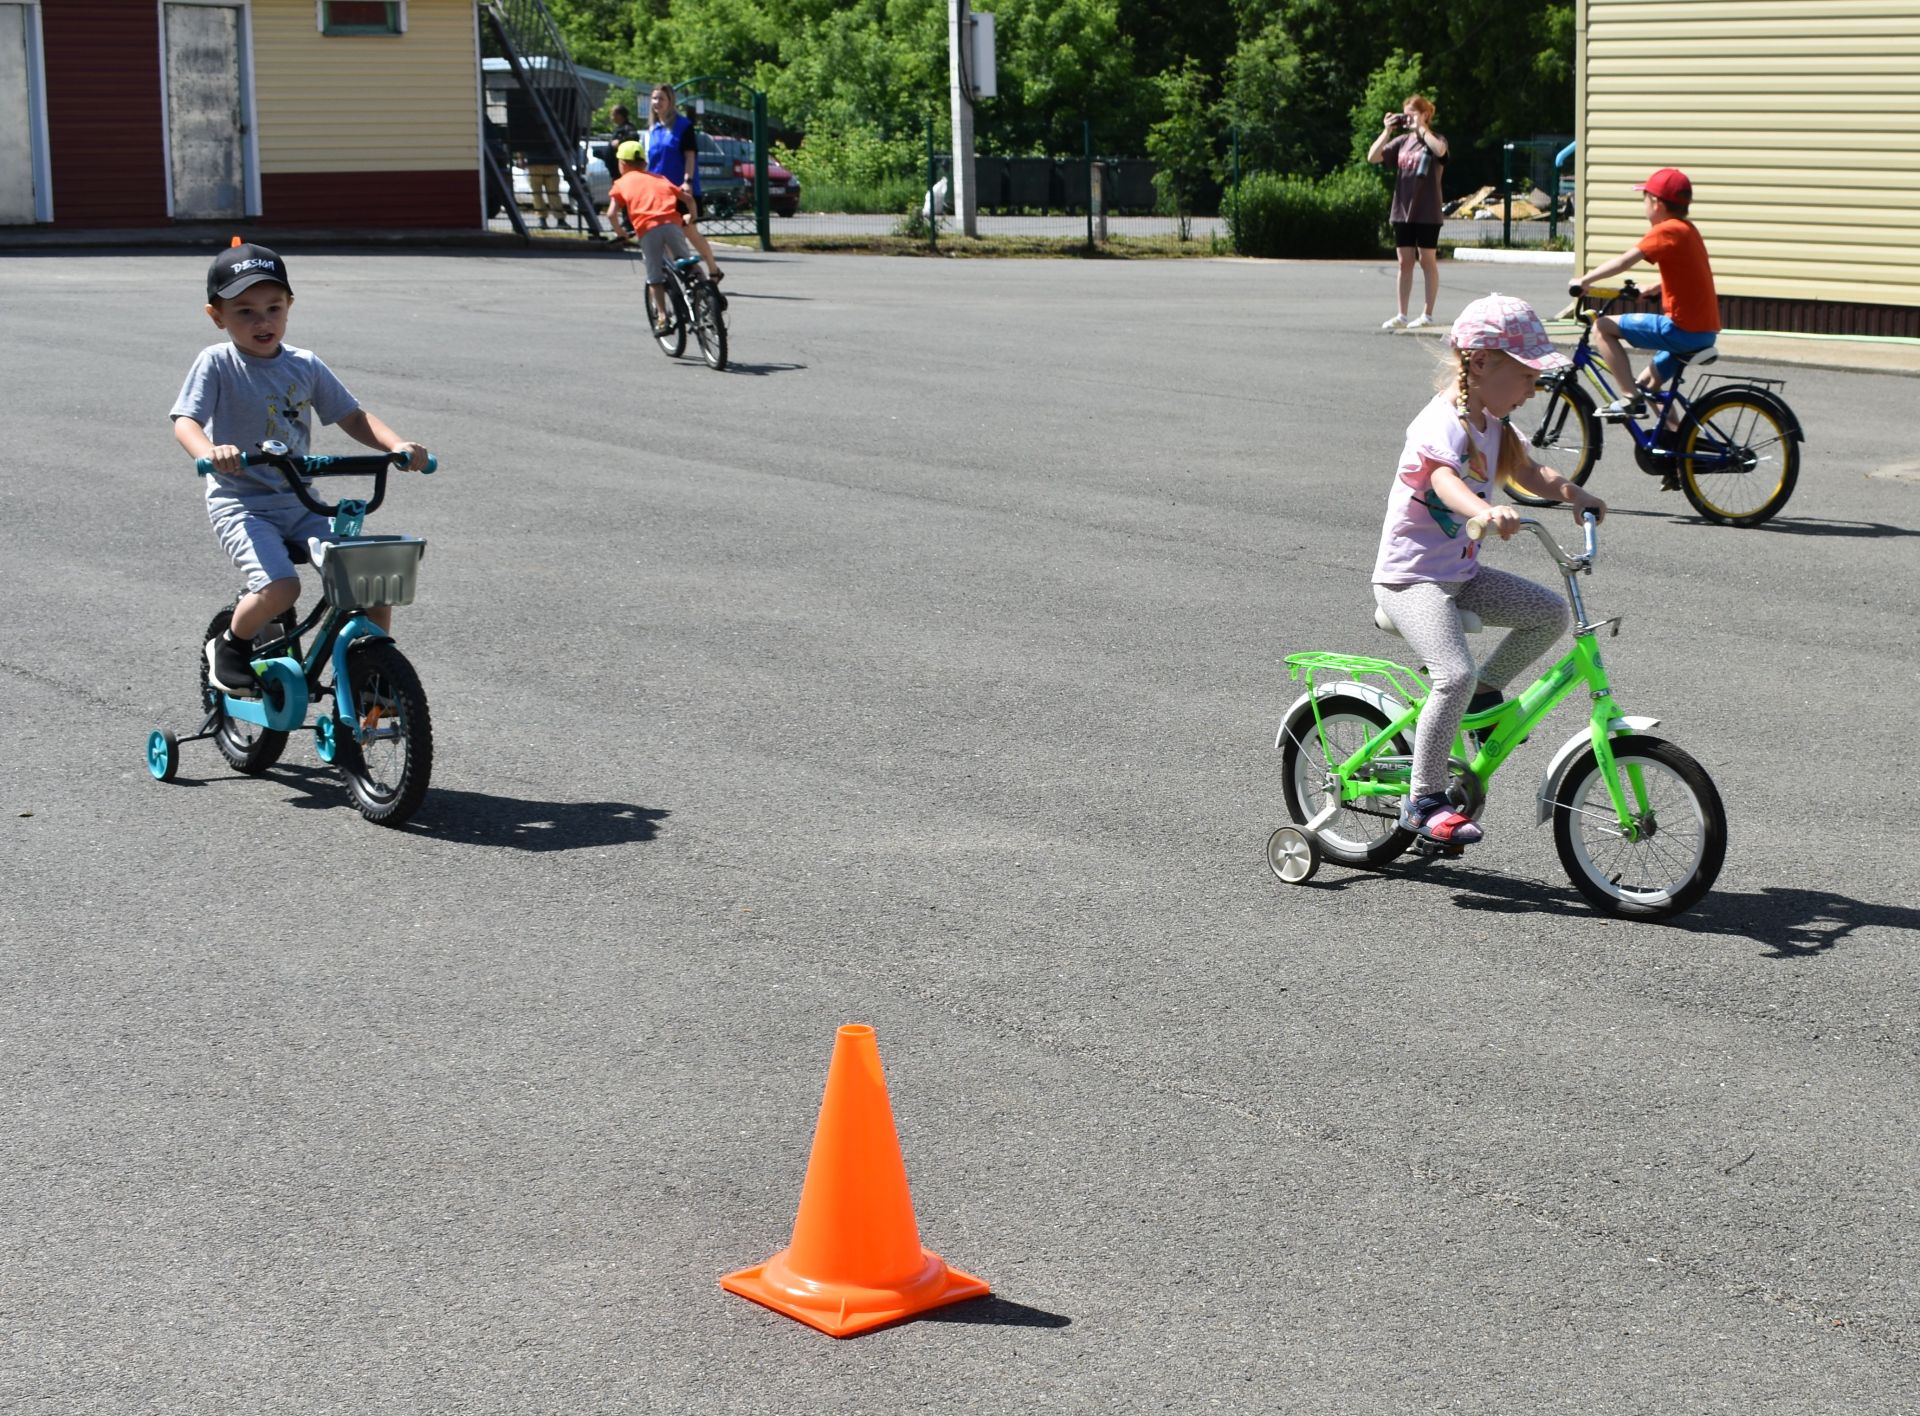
<point x="255" y="531"/>
<point x="1659" y="332"/>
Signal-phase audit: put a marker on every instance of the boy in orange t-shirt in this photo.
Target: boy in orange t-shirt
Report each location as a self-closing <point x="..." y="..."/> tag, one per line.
<point x="652" y="206"/>
<point x="1689" y="318"/>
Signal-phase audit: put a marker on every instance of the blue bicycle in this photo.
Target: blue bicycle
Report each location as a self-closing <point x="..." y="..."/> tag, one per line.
<point x="1734" y="449"/>
<point x="376" y="730"/>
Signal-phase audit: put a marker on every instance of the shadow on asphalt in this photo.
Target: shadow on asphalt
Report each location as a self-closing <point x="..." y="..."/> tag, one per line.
<point x="997" y="1312"/>
<point x="1792" y="923"/>
<point x="761" y="370"/>
<point x="483" y="819"/>
<point x="1779" y="526"/>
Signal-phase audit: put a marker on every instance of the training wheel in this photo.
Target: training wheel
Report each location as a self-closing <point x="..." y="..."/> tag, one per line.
<point x="163" y="754"/>
<point x="1292" y="855"/>
<point x="326" y="741"/>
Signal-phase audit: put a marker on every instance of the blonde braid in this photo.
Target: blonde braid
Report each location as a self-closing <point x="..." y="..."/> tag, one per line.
<point x="1464" y="385"/>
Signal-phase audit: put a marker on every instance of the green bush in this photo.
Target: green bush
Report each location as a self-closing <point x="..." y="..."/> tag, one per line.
<point x="1339" y="216"/>
<point x="890" y="195"/>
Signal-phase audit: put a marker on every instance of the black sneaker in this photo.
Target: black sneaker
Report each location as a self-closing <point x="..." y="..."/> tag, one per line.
<point x="230" y="667"/>
<point x="1484" y="700"/>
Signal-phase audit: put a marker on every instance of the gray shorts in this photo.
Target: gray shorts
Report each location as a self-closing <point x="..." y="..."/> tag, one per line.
<point x="255" y="532"/>
<point x="653" y="245"/>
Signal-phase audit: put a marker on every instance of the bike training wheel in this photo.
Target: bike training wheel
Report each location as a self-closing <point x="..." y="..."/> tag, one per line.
<point x="1365" y="832"/>
<point x="1292" y="856"/>
<point x="387" y="773"/>
<point x="1565" y="433"/>
<point x="673" y="342"/>
<point x="1674" y="853"/>
<point x="709" y="324"/>
<point x="248" y="747"/>
<point x="163" y="755"/>
<point x="1739" y="458"/>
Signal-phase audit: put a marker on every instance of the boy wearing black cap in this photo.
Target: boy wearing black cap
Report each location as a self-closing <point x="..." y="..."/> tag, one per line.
<point x="236" y="396"/>
<point x="1689" y="318"/>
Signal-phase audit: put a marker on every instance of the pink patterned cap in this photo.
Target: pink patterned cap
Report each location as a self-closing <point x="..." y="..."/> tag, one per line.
<point x="1507" y="323"/>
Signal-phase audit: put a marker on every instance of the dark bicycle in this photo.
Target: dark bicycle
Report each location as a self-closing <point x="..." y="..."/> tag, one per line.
<point x="694" y="303"/>
<point x="1735" y="450"/>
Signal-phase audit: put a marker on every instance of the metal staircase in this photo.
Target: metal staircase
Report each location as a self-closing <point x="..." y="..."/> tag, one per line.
<point x="556" y="101"/>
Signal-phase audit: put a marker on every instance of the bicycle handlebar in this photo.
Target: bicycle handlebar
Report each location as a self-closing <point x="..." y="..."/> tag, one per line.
<point x="1627" y="291"/>
<point x="293" y="469"/>
<point x="1477" y="528"/>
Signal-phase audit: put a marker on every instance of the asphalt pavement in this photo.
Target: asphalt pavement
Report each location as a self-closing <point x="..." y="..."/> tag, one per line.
<point x="923" y="670"/>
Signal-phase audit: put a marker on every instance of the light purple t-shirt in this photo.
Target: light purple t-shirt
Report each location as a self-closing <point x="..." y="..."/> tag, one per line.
<point x="1424" y="539"/>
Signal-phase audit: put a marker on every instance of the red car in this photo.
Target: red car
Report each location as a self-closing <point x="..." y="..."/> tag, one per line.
<point x="783" y="188"/>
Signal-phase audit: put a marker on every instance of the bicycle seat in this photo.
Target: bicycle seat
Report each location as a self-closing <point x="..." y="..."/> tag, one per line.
<point x="1469" y="621"/>
<point x="1698" y="357"/>
<point x="298" y="553"/>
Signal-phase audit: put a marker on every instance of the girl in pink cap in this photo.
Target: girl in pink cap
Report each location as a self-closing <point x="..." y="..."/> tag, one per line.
<point x="1428" y="570"/>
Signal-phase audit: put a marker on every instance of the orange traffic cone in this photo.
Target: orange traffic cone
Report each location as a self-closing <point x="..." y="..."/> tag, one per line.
<point x="855" y="1261"/>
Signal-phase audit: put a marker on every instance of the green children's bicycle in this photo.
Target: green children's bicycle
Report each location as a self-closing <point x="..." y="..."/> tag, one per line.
<point x="1638" y="823"/>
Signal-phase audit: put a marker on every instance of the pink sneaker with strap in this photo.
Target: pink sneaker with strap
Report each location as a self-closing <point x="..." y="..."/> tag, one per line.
<point x="1433" y="818"/>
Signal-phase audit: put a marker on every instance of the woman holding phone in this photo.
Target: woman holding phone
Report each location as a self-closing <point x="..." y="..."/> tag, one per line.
<point x="1418" y="154"/>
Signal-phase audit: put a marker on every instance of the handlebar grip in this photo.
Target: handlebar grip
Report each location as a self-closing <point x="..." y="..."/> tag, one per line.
<point x="433" y="464"/>
<point x="204" y="465"/>
<point x="1477" y="526"/>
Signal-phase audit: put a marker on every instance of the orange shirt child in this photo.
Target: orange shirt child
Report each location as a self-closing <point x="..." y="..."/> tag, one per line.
<point x="648" y="199"/>
<point x="1687" y="295"/>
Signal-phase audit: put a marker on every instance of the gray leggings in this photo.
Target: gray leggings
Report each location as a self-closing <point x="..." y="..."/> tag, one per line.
<point x="1427" y="616"/>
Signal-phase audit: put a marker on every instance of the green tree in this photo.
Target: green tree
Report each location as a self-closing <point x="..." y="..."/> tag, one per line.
<point x="1181" y="144"/>
<point x="1387" y="88"/>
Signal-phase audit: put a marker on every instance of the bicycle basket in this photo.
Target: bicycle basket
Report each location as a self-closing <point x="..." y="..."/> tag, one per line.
<point x="370" y="571"/>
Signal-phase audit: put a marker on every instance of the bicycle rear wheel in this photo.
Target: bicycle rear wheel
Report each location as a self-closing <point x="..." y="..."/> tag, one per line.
<point x="672" y="341"/>
<point x="1363" y="832"/>
<point x="1565" y="437"/>
<point x="248" y="747"/>
<point x="388" y="772"/>
<point x="1739" y="458"/>
<point x="709" y="323"/>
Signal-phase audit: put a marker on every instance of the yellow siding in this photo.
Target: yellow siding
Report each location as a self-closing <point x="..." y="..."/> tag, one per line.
<point x="1792" y="117"/>
<point x="367" y="103"/>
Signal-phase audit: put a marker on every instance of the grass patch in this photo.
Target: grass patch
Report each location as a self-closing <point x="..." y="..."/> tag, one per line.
<point x="1116" y="248"/>
<point x="862" y="198"/>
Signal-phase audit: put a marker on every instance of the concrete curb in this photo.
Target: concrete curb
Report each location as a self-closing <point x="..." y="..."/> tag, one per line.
<point x="1498" y="255"/>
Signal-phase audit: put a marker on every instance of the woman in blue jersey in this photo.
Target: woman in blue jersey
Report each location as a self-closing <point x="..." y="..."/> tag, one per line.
<point x="673" y="152"/>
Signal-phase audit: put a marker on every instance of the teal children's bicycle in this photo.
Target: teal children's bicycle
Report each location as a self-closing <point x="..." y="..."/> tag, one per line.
<point x="1734" y="450"/>
<point x="376" y="729"/>
<point x="1638" y="823"/>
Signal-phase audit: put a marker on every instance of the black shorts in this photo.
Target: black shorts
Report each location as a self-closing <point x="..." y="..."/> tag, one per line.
<point x="1422" y="235"/>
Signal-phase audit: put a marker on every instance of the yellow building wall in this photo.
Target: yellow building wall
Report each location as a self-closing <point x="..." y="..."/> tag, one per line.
<point x="367" y="103"/>
<point x="1796" y="120"/>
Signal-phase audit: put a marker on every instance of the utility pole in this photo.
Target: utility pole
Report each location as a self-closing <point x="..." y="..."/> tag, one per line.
<point x="959" y="62"/>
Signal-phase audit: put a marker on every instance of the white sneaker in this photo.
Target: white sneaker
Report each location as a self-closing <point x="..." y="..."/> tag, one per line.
<point x="1397" y="322"/>
<point x="1419" y="321"/>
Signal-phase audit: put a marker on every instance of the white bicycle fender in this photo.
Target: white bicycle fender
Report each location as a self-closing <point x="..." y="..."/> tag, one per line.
<point x="1563" y="759"/>
<point x="1345" y="688"/>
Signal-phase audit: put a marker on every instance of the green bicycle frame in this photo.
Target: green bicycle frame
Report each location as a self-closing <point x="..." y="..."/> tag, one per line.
<point x="1367" y="774"/>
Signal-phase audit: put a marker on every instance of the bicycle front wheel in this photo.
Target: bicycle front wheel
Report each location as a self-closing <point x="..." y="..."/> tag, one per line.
<point x="1565" y="437"/>
<point x="672" y="340"/>
<point x="1739" y="458"/>
<point x="1365" y="831"/>
<point x="388" y="770"/>
<point x="247" y="747"/>
<point x="709" y="324"/>
<point x="1671" y="850"/>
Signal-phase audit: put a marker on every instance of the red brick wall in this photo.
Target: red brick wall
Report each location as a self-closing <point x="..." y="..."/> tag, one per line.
<point x="387" y="199"/>
<point x="103" y="113"/>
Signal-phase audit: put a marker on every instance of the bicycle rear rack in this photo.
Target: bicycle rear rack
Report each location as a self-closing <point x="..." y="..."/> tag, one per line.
<point x="1403" y="681"/>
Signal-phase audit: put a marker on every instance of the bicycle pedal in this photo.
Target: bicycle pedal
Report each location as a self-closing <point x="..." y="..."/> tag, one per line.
<point x="1444" y="849"/>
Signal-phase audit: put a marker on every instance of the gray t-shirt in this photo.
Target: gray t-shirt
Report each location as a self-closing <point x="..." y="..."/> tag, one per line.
<point x="243" y="399"/>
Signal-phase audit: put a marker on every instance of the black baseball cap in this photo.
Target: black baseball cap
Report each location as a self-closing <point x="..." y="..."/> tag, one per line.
<point x="241" y="265"/>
